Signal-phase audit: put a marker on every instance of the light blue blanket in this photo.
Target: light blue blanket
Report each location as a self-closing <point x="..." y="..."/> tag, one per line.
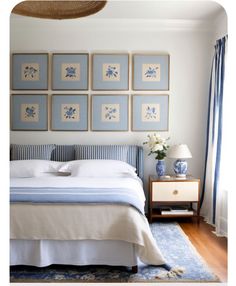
<point x="76" y="195"/>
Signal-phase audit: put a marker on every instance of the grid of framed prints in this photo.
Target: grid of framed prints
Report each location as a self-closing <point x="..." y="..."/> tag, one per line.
<point x="105" y="112"/>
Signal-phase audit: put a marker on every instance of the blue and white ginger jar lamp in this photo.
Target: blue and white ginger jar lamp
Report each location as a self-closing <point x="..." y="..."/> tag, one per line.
<point x="180" y="152"/>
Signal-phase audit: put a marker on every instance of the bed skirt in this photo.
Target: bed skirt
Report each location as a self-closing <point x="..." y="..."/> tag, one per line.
<point x="83" y="252"/>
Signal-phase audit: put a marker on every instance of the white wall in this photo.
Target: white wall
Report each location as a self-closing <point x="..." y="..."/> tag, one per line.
<point x="190" y="49"/>
<point x="221" y="26"/>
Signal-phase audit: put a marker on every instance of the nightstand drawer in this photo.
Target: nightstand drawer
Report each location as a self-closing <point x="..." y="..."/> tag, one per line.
<point x="174" y="191"/>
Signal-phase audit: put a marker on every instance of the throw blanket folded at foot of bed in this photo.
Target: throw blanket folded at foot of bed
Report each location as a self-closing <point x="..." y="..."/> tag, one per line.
<point x="83" y="221"/>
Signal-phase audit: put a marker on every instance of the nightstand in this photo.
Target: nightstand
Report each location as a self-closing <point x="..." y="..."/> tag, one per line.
<point x="173" y="197"/>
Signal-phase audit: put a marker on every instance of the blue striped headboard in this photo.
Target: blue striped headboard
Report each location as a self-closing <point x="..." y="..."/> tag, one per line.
<point x="131" y="154"/>
<point x="67" y="153"/>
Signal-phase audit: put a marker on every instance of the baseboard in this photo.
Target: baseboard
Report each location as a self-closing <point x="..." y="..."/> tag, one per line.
<point x="223" y="226"/>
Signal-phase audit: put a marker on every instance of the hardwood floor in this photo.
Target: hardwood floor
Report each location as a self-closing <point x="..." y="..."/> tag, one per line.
<point x="212" y="248"/>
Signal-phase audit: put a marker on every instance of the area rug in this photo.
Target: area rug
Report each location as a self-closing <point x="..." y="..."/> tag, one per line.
<point x="172" y="241"/>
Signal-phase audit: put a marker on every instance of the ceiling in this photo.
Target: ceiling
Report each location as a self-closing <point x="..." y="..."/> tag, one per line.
<point x="157" y="10"/>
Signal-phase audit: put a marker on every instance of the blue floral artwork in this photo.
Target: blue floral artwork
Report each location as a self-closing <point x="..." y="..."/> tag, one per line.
<point x="111" y="112"/>
<point x="30" y="72"/>
<point x="111" y="71"/>
<point x="70" y="112"/>
<point x="150" y="112"/>
<point x="151" y="72"/>
<point x="70" y="72"/>
<point x="30" y="112"/>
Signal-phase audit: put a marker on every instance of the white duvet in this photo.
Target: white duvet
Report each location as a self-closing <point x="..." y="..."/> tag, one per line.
<point x="84" y="221"/>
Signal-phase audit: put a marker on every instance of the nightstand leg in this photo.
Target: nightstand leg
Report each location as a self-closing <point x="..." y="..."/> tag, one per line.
<point x="198" y="212"/>
<point x="150" y="215"/>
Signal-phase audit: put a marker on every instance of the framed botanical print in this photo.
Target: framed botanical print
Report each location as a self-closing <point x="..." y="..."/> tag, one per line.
<point x="110" y="72"/>
<point x="150" y="72"/>
<point x="29" y="112"/>
<point x="109" y="112"/>
<point x="150" y="112"/>
<point x="29" y="71"/>
<point x="70" y="71"/>
<point x="69" y="112"/>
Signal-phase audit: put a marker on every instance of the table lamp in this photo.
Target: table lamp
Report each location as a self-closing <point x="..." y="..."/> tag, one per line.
<point x="180" y="152"/>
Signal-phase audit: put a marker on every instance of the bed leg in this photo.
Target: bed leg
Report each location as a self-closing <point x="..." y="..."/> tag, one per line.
<point x="135" y="269"/>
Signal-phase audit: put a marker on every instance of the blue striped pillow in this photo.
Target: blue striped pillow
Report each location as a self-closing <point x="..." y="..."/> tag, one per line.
<point x="105" y="152"/>
<point x="30" y="152"/>
<point x="63" y="153"/>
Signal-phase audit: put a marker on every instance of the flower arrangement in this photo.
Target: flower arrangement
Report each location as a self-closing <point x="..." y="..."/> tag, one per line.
<point x="157" y="146"/>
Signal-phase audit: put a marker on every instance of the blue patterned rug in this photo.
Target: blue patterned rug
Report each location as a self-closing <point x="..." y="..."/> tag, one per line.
<point x="173" y="243"/>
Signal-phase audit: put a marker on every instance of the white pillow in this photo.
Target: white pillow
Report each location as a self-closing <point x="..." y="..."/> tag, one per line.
<point x="33" y="168"/>
<point x="98" y="168"/>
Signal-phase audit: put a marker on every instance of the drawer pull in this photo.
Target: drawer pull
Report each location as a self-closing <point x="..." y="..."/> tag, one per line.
<point x="175" y="192"/>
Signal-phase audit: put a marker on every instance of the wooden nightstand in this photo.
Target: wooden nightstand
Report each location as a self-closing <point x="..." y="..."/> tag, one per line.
<point x="168" y="196"/>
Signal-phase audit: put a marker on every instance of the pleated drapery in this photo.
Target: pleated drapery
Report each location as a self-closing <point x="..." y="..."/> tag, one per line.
<point x="211" y="189"/>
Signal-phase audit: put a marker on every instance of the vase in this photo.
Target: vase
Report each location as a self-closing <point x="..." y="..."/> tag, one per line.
<point x="160" y="168"/>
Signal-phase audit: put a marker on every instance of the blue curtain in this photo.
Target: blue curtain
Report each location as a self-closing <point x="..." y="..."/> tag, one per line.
<point x="214" y="132"/>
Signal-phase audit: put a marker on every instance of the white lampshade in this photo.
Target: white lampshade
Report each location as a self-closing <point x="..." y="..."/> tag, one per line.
<point x="180" y="151"/>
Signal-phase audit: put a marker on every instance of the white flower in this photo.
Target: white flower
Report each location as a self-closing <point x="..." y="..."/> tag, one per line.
<point x="158" y="136"/>
<point x="161" y="141"/>
<point x="157" y="147"/>
<point x="153" y="137"/>
<point x="151" y="144"/>
<point x="152" y="141"/>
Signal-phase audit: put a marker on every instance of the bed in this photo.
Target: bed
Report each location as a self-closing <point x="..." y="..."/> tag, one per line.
<point x="78" y="219"/>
